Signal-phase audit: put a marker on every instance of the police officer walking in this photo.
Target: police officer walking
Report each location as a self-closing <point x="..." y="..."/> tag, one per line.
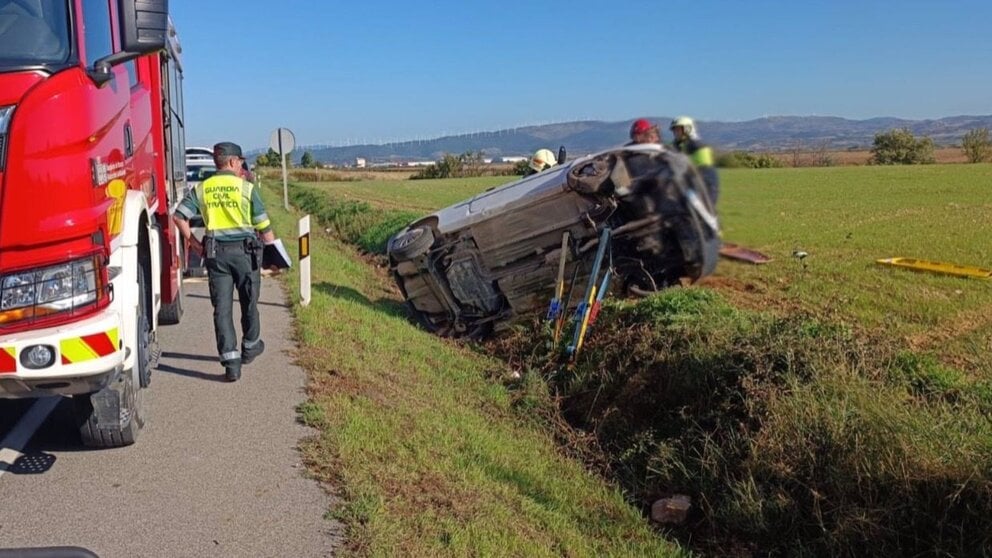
<point x="234" y="217"/>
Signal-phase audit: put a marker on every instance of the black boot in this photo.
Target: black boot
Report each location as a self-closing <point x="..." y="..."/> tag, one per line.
<point x="232" y="370"/>
<point x="250" y="354"/>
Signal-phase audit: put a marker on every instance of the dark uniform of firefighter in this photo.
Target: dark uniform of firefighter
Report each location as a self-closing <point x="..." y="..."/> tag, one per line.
<point x="234" y="216"/>
<point x="687" y="141"/>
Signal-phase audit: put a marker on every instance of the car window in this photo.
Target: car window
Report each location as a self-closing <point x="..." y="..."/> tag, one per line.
<point x="199" y="174"/>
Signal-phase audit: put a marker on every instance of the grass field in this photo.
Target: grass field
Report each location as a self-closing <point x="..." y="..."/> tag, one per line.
<point x="941" y="155"/>
<point x="424" y="196"/>
<point x="844" y="218"/>
<point x="824" y="406"/>
<point x="431" y="457"/>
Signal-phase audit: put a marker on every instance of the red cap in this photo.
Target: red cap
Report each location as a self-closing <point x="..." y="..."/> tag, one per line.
<point x="640" y="126"/>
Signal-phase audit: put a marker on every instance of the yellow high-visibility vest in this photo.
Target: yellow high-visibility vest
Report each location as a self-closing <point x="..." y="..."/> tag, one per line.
<point x="225" y="202"/>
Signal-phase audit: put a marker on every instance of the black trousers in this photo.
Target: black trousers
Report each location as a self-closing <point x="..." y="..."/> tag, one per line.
<point x="234" y="266"/>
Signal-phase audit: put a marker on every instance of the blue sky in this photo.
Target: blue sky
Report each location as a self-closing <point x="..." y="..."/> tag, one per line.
<point x="374" y="71"/>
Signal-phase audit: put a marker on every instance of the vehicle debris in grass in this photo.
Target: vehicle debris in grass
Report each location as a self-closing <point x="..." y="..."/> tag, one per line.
<point x="940" y="268"/>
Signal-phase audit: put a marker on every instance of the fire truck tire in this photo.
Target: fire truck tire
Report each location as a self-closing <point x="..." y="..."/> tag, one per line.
<point x="129" y="395"/>
<point x="171" y="314"/>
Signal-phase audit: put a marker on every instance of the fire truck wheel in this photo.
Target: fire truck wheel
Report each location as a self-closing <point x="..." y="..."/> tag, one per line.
<point x="171" y="314"/>
<point x="113" y="416"/>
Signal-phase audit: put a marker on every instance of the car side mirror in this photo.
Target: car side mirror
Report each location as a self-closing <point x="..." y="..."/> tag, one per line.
<point x="561" y="155"/>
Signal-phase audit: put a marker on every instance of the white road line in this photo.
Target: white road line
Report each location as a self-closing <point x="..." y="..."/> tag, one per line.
<point x="18" y="437"/>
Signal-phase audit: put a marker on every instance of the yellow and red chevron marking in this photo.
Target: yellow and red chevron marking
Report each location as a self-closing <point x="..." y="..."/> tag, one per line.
<point x="88" y="347"/>
<point x="8" y="359"/>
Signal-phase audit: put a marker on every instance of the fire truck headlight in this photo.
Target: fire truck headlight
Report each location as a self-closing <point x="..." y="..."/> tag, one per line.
<point x="37" y="357"/>
<point x="56" y="288"/>
<point x="18" y="290"/>
<point x="70" y="284"/>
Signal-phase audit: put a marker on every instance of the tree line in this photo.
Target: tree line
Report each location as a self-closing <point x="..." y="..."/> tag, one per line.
<point x="901" y="147"/>
<point x="271" y="159"/>
<point x="893" y="147"/>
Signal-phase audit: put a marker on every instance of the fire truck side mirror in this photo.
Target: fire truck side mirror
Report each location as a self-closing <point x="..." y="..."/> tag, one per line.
<point x="144" y="25"/>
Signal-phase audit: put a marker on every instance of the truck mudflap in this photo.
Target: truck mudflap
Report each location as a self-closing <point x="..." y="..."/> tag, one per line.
<point x="108" y="412"/>
<point x="85" y="357"/>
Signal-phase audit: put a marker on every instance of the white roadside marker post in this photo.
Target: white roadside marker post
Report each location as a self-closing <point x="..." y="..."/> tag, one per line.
<point x="304" y="228"/>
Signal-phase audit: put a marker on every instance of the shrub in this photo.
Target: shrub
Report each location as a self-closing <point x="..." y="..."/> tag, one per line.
<point x="743" y="159"/>
<point x="901" y="147"/>
<point x="977" y="145"/>
<point x="454" y="166"/>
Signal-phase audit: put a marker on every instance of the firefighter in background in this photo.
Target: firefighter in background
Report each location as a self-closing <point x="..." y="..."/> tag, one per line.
<point x="644" y="131"/>
<point x="687" y="141"/>
<point x="543" y="159"/>
<point x="234" y="217"/>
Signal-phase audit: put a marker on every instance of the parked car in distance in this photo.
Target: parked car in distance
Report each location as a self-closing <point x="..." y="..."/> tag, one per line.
<point x="479" y="265"/>
<point x="204" y="154"/>
<point x="199" y="167"/>
<point x="197" y="172"/>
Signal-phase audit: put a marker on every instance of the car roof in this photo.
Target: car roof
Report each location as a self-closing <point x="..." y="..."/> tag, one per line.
<point x="199" y="155"/>
<point x="473" y="209"/>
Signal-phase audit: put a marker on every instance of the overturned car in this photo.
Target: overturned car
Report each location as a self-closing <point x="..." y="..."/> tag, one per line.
<point x="478" y="265"/>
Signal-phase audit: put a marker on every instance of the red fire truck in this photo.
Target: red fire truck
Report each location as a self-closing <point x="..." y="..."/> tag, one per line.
<point x="91" y="162"/>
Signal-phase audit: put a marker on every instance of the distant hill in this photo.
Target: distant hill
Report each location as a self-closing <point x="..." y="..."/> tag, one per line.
<point x="581" y="137"/>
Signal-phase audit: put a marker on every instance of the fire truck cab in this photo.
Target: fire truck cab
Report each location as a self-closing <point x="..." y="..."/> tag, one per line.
<point x="91" y="164"/>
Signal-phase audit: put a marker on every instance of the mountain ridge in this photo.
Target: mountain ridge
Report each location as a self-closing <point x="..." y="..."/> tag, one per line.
<point x="770" y="133"/>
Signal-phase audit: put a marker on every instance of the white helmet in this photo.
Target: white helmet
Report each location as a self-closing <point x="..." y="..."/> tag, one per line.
<point x="687" y="124"/>
<point x="543" y="159"/>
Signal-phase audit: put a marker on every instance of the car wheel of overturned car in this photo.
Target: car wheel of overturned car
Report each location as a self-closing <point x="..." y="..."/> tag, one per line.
<point x="411" y="243"/>
<point x="640" y="284"/>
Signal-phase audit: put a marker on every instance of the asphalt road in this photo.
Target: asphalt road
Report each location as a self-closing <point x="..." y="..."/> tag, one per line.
<point x="215" y="471"/>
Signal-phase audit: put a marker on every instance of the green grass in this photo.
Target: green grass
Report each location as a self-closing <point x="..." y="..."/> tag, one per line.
<point x="431" y="457"/>
<point x="848" y="217"/>
<point x="845" y="218"/>
<point x="793" y="435"/>
<point x="424" y="196"/>
<point x="825" y="407"/>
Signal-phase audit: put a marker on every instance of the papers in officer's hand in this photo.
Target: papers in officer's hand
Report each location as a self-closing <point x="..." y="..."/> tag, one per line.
<point x="275" y="255"/>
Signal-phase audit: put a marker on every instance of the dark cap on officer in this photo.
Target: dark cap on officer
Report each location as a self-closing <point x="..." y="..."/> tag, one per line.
<point x="227" y="149"/>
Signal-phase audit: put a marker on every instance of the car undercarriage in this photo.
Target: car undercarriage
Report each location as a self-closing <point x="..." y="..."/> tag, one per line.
<point x="482" y="264"/>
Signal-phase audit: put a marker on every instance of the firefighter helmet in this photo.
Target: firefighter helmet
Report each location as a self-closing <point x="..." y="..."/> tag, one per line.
<point x="686" y="124"/>
<point x="640" y="126"/>
<point x="543" y="159"/>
